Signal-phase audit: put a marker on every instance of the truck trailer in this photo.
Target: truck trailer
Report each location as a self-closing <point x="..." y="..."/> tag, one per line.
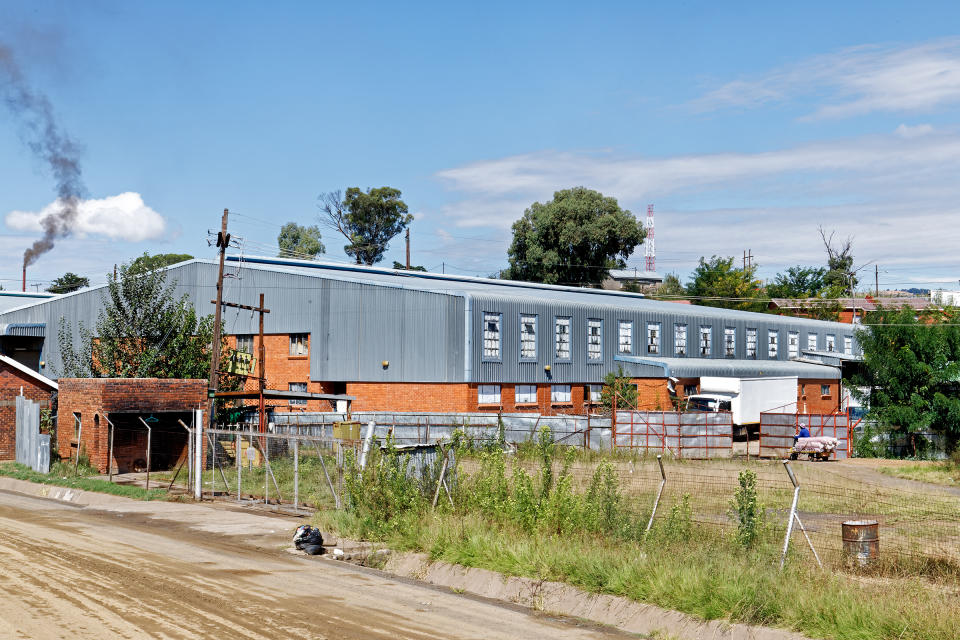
<point x="745" y="398"/>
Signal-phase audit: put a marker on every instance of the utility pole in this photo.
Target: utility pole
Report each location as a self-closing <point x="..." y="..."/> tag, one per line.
<point x="223" y="240"/>
<point x="261" y="355"/>
<point x="876" y="279"/>
<point x="747" y="259"/>
<point x="408" y="248"/>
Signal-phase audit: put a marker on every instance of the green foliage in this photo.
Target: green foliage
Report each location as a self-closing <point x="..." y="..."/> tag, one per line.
<point x="747" y="510"/>
<point x="911" y="371"/>
<point x="142" y="331"/>
<point x="798" y="282"/>
<point x="717" y="283"/>
<point x="299" y="241"/>
<point x="368" y="220"/>
<point x="618" y="385"/>
<point x="574" y="239"/>
<point x="68" y="282"/>
<point x="148" y="262"/>
<point x="403" y="267"/>
<point x="679" y="524"/>
<point x="839" y="278"/>
<point x="671" y="288"/>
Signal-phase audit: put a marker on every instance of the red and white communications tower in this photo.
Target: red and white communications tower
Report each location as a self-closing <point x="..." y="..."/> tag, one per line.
<point x="649" y="244"/>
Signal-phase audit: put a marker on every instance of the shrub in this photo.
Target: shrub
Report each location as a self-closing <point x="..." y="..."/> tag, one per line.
<point x="747" y="509"/>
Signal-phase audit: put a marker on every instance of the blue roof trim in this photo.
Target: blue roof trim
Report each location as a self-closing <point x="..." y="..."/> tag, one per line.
<point x="30" y="329"/>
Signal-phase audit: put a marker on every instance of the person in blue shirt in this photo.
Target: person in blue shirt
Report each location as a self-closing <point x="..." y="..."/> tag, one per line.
<point x="804" y="432"/>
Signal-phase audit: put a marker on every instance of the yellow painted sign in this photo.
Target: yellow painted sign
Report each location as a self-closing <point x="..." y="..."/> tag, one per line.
<point x="240" y="363"/>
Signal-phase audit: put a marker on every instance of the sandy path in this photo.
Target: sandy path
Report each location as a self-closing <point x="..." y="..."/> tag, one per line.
<point x="133" y="571"/>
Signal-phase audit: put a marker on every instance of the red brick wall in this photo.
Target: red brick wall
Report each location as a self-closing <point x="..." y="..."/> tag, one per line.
<point x="811" y="400"/>
<point x="11" y="381"/>
<point x="94" y="398"/>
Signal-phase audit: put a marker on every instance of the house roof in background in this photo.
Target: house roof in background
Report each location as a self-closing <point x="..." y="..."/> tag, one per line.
<point x="22" y="368"/>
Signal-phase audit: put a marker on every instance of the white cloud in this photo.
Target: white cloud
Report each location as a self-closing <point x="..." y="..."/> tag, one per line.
<point x="119" y="217"/>
<point x="896" y="194"/>
<point x="915" y="131"/>
<point x="855" y="81"/>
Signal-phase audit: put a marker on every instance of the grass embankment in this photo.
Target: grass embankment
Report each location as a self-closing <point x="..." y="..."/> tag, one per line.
<point x="543" y="523"/>
<point x="944" y="472"/>
<point x="62" y="475"/>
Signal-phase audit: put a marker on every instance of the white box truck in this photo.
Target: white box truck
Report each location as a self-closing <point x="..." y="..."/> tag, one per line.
<point x="745" y="398"/>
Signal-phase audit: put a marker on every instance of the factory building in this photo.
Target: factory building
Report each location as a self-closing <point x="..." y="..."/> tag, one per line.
<point x="413" y="341"/>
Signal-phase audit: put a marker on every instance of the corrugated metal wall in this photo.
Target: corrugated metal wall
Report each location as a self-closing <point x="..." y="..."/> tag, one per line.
<point x="510" y="369"/>
<point x="353" y="327"/>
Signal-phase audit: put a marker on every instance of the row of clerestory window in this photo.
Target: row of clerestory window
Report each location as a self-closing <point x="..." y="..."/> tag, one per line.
<point x="704" y="348"/>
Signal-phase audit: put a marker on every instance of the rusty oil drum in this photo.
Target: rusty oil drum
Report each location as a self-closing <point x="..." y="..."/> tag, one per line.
<point x="861" y="540"/>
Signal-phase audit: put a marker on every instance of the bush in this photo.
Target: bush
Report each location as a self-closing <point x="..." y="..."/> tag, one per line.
<point x="747" y="510"/>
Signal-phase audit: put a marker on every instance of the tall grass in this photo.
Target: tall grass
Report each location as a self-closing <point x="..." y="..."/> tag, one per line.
<point x="531" y="522"/>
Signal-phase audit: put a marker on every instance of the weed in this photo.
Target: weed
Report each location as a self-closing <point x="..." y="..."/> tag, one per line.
<point x="747" y="509"/>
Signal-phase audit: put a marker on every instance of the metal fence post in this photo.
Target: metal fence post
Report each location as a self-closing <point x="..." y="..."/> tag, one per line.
<point x="793" y="511"/>
<point x="663" y="483"/>
<point x="149" y="434"/>
<point x="239" y="460"/>
<point x="296" y="473"/>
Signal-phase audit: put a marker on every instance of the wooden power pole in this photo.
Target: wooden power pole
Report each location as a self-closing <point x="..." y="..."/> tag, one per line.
<point x="408" y="248"/>
<point x="261" y="355"/>
<point x="223" y="241"/>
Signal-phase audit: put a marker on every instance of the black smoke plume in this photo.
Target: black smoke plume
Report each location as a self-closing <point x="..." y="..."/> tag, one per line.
<point x="50" y="143"/>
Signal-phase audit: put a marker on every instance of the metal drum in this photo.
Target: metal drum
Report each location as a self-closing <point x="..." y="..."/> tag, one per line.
<point x="861" y="540"/>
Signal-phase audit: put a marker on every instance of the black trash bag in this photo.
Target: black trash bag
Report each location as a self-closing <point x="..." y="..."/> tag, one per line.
<point x="308" y="539"/>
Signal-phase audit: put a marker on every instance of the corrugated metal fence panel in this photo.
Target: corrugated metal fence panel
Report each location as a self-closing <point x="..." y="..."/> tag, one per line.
<point x="681" y="435"/>
<point x="414" y="427"/>
<point x="28" y="435"/>
<point x="777" y="431"/>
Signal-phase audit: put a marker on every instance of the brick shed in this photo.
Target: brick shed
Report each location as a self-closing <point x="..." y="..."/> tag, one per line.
<point x="85" y="406"/>
<point x="17" y="379"/>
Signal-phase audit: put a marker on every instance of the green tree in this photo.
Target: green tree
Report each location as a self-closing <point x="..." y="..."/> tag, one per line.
<point x="798" y="282"/>
<point x="400" y="265"/>
<point x="671" y="288"/>
<point x="840" y="279"/>
<point x="142" y="331"/>
<point x="299" y="241"/>
<point x="148" y="262"/>
<point x="574" y="239"/>
<point x="618" y="385"/>
<point x="910" y="373"/>
<point x="717" y="283"/>
<point x="368" y="220"/>
<point x="68" y="282"/>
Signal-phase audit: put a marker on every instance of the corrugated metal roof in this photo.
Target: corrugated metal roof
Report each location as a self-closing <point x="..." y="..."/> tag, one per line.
<point x="30" y="329"/>
<point x="28" y="371"/>
<point x="503" y="289"/>
<point x="697" y="367"/>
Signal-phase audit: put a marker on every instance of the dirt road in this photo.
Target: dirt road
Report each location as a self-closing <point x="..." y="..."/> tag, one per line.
<point x="134" y="570"/>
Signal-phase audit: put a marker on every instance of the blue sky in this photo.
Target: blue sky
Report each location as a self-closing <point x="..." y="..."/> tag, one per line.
<point x="746" y="125"/>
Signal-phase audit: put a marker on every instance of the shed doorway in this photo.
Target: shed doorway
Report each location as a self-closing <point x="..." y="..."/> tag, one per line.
<point x="168" y="440"/>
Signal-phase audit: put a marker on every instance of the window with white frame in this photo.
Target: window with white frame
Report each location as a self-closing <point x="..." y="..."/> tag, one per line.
<point x="245" y="343"/>
<point x="831" y="343"/>
<point x="825" y="390"/>
<point x="525" y="394"/>
<point x="729" y="342"/>
<point x="625" y="337"/>
<point x="528" y="337"/>
<point x="488" y="394"/>
<point x="773" y="343"/>
<point x="811" y="342"/>
<point x="848" y="344"/>
<point x="752" y="344"/>
<point x="594" y="339"/>
<point x="297" y="386"/>
<point x="491" y="336"/>
<point x="680" y="340"/>
<point x="560" y="394"/>
<point x="595" y="393"/>
<point x="706" y="341"/>
<point x="793" y="344"/>
<point x="653" y="337"/>
<point x="299" y="344"/>
<point x="562" y="338"/>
